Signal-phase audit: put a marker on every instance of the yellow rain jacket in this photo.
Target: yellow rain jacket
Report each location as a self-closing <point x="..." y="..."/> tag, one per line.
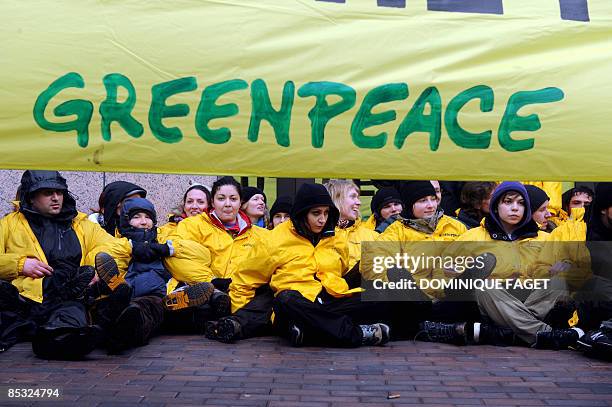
<point x="399" y="238"/>
<point x="370" y="223"/>
<point x="288" y="261"/>
<point x="515" y="259"/>
<point x="355" y="234"/>
<point x="18" y="242"/>
<point x="567" y="244"/>
<point x="210" y="251"/>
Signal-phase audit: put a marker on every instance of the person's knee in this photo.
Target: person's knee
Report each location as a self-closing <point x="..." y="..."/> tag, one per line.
<point x="288" y="296"/>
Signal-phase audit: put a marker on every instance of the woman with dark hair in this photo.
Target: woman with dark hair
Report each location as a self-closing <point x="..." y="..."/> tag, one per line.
<point x="303" y="261"/>
<point x="196" y="200"/>
<point x="475" y="198"/>
<point x="222" y="237"/>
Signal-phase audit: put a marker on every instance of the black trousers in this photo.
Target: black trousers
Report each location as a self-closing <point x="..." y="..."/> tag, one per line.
<point x="328" y="320"/>
<point x="254" y="317"/>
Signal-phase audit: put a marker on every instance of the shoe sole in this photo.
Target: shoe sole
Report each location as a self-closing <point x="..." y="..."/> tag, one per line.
<point x="108" y="271"/>
<point x="191" y="296"/>
<point x="226" y="331"/>
<point x="222" y="306"/>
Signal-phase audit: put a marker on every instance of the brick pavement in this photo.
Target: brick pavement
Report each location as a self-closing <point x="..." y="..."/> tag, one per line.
<point x="190" y="370"/>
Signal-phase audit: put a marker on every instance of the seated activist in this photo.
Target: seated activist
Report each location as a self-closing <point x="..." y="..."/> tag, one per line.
<point x="345" y="195"/>
<point x="146" y="276"/>
<point x="110" y="202"/>
<point x="539" y="201"/>
<point x="422" y="221"/>
<point x="586" y="270"/>
<point x="47" y="249"/>
<point x="219" y="239"/>
<point x="514" y="316"/>
<point x="386" y="208"/>
<point x="280" y="211"/>
<point x="253" y="204"/>
<point x="196" y="200"/>
<point x="553" y="190"/>
<point x="303" y="261"/>
<point x="475" y="197"/>
<point x="575" y="201"/>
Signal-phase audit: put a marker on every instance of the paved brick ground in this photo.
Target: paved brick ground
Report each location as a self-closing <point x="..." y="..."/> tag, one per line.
<point x="189" y="370"/>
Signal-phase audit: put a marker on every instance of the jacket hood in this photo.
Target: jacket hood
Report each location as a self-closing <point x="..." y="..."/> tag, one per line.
<point x="34" y="180"/>
<point x="130" y="208"/>
<point x="526" y="228"/>
<point x="411" y="192"/>
<point x="114" y="193"/>
<point x="307" y="197"/>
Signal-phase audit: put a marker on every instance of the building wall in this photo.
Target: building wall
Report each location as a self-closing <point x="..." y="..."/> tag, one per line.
<point x="165" y="191"/>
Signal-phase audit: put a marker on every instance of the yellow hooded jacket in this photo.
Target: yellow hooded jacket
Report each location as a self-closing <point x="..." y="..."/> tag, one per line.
<point x="209" y="250"/>
<point x="355" y="234"/>
<point x="288" y="261"/>
<point x="18" y="242"/>
<point x="399" y="238"/>
<point x="567" y="245"/>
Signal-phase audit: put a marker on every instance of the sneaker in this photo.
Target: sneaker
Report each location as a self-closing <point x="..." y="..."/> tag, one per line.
<point x="296" y="336"/>
<point x="597" y="343"/>
<point x="108" y="271"/>
<point x="556" y="339"/>
<point x="189" y="296"/>
<point x="374" y="334"/>
<point x="220" y="303"/>
<point x="441" y="332"/>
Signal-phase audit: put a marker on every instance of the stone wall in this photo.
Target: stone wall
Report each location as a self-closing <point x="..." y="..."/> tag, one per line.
<point x="165" y="191"/>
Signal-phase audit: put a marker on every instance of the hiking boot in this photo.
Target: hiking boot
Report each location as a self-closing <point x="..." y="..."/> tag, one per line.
<point x="374" y="334"/>
<point x="189" y="296"/>
<point x="220" y="303"/>
<point x="296" y="336"/>
<point x="441" y="332"/>
<point x="77" y="286"/>
<point x="126" y="332"/>
<point x="108" y="271"/>
<point x="556" y="339"/>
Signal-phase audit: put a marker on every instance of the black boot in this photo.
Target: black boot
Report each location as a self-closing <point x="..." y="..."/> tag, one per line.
<point x="442" y="333"/>
<point x="221" y="304"/>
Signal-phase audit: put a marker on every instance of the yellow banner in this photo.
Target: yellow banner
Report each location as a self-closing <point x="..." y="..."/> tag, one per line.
<point x="388" y="89"/>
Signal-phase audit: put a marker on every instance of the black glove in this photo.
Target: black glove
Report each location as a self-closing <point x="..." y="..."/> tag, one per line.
<point x="221" y="284"/>
<point x="143" y="252"/>
<point x="160" y="249"/>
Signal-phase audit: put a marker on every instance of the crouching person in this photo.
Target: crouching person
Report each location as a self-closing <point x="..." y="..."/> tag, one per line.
<point x="46" y="252"/>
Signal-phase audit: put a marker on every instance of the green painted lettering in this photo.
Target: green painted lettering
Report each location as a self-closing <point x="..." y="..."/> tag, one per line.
<point x="416" y="121"/>
<point x="322" y="112"/>
<point x="512" y="122"/>
<point x="365" y="118"/>
<point x="159" y="110"/>
<point x="113" y="111"/>
<point x="457" y="134"/>
<point x="208" y="110"/>
<point x="263" y="110"/>
<point x="83" y="109"/>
